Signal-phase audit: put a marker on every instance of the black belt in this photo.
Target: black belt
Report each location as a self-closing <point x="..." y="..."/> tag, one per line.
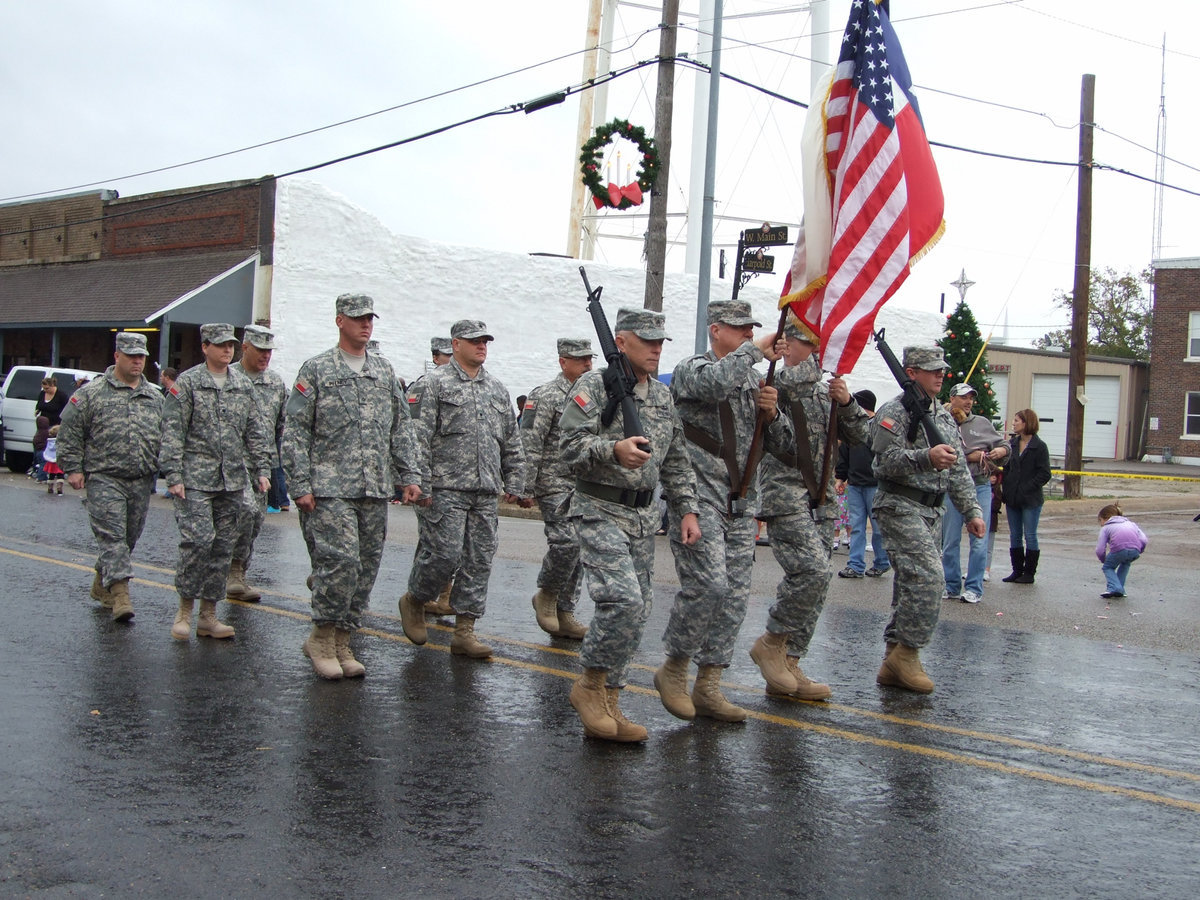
<point x="624" y="496"/>
<point x="926" y="498"/>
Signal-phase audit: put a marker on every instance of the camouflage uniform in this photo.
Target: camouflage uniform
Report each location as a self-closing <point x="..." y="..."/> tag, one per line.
<point x="111" y="432"/>
<point x="714" y="574"/>
<point x="344" y="443"/>
<point x="270" y="395"/>
<point x="466" y="451"/>
<point x="551" y="484"/>
<point x="616" y="540"/>
<point x="212" y="438"/>
<point x="801" y="537"/>
<point x="908" y="507"/>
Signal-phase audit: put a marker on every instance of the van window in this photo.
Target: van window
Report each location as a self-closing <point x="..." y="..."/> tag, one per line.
<point x="26" y="384"/>
<point x="66" y="382"/>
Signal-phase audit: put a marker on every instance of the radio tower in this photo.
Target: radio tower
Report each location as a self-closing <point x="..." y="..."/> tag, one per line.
<point x="1160" y="161"/>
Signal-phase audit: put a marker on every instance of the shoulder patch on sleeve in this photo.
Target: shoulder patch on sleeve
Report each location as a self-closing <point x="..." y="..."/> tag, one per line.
<point x="890" y="424"/>
<point x="583" y="401"/>
<point x="528" y="413"/>
<point x="174" y="390"/>
<point x="304" y="388"/>
<point x="75" y="399"/>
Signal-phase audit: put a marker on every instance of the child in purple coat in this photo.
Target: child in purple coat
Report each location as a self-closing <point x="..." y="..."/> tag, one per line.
<point x="1121" y="542"/>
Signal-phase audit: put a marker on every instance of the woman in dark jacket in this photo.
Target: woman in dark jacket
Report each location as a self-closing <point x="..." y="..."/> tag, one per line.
<point x="1025" y="474"/>
<point x="50" y="401"/>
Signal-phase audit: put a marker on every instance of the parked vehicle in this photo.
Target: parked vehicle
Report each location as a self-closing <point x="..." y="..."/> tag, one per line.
<point x="18" y="398"/>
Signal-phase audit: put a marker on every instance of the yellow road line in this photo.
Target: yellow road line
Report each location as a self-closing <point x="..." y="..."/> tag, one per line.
<point x="827" y="730"/>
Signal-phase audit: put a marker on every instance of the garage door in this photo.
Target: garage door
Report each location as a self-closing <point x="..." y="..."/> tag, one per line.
<point x="1003" y="417"/>
<point x="1100" y="429"/>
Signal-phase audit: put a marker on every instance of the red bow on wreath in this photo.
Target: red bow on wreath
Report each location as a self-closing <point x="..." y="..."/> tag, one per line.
<point x="631" y="192"/>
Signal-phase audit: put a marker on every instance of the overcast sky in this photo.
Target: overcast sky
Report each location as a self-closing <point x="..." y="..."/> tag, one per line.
<point x="99" y="91"/>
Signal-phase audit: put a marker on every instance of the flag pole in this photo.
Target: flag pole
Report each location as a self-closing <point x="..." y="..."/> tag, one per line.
<point x="760" y="422"/>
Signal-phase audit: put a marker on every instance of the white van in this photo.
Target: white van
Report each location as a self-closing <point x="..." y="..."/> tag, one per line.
<point x="18" y="398"/>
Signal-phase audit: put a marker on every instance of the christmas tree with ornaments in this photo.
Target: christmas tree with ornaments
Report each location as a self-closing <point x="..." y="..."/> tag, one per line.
<point x="961" y="343"/>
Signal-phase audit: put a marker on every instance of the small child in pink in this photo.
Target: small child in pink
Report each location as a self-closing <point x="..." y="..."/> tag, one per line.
<point x="1121" y="542"/>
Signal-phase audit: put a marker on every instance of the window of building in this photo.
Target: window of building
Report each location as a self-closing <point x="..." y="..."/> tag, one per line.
<point x="1191" y="415"/>
<point x="1193" y="347"/>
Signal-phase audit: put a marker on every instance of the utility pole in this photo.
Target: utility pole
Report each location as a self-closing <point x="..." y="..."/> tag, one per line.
<point x="710" y="180"/>
<point x="664" y="106"/>
<point x="1080" y="298"/>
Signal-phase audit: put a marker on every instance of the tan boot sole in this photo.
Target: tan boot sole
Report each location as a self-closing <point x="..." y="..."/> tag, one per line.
<point x="889" y="678"/>
<point x="774" y="685"/>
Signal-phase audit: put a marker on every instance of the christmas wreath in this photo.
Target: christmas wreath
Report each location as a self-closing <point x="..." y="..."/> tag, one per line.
<point x="613" y="195"/>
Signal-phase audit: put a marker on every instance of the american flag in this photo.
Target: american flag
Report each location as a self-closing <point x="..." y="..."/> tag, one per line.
<point x="872" y="199"/>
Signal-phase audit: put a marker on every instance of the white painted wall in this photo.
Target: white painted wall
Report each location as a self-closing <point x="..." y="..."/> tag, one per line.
<point x="325" y="246"/>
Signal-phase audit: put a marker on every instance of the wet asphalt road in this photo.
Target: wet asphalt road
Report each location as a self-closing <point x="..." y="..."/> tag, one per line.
<point x="1051" y="761"/>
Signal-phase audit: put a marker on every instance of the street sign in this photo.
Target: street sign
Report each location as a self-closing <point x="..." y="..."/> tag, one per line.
<point x="752" y="262"/>
<point x="765" y="237"/>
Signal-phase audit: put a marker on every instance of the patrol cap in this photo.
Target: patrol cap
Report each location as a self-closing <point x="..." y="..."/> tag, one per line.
<point x="355" y="306"/>
<point x="801" y="332"/>
<point x="575" y="348"/>
<point x="645" y="323"/>
<point x="470" y="330"/>
<point x="217" y="333"/>
<point x="441" y="345"/>
<point x="131" y="343"/>
<point x="731" y="312"/>
<point x="962" y="389"/>
<point x="928" y="358"/>
<point x="258" y="336"/>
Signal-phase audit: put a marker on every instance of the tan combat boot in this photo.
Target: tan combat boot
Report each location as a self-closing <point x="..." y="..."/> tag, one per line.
<point x="122" y="608"/>
<point x="351" y="667"/>
<point x="235" y="584"/>
<point x="589" y="697"/>
<point x="708" y="699"/>
<point x="464" y="642"/>
<point x="207" y="624"/>
<point x="806" y="688"/>
<point x="182" y="629"/>
<point x="770" y="655"/>
<point x="100" y="593"/>
<point x="441" y="606"/>
<point x="319" y="647"/>
<point x="903" y="669"/>
<point x="670" y="680"/>
<point x="627" y="732"/>
<point x="545" y="607"/>
<point x="412" y="619"/>
<point x="569" y="626"/>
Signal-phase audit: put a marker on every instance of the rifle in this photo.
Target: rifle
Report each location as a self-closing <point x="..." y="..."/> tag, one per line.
<point x="619" y="378"/>
<point x="916" y="401"/>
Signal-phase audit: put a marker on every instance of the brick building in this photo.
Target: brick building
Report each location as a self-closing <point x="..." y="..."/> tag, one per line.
<point x="1174" y="411"/>
<point x="74" y="269"/>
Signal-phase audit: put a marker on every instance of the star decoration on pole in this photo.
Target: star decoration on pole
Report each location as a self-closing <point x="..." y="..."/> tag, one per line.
<point x="962" y="284"/>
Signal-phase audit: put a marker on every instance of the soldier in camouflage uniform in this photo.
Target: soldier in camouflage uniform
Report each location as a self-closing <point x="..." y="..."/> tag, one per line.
<point x="915" y="475"/>
<point x="347" y="429"/>
<point x="270" y="394"/>
<point x="551" y="485"/>
<point x="212" y="438"/>
<point x="801" y="528"/>
<point x="617" y="518"/>
<point x="442" y="351"/>
<point x="109" y="441"/>
<point x="466" y="450"/>
<point x="719" y="396"/>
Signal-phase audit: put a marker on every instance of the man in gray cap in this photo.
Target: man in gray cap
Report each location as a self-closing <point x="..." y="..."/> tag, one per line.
<point x="915" y="474"/>
<point x="467" y="449"/>
<point x="798" y="503"/>
<point x="551" y="485"/>
<point x="108" y="443"/>
<point x="613" y="504"/>
<point x="213" y="447"/>
<point x="442" y="351"/>
<point x="719" y="396"/>
<point x="270" y="395"/>
<point x="985" y="450"/>
<point x="347" y="429"/>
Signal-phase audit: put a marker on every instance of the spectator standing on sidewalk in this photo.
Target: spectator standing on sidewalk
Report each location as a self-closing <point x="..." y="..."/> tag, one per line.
<point x="857" y="482"/>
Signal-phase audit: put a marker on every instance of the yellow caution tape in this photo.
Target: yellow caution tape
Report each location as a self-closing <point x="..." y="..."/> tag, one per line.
<point x="1124" y="475"/>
